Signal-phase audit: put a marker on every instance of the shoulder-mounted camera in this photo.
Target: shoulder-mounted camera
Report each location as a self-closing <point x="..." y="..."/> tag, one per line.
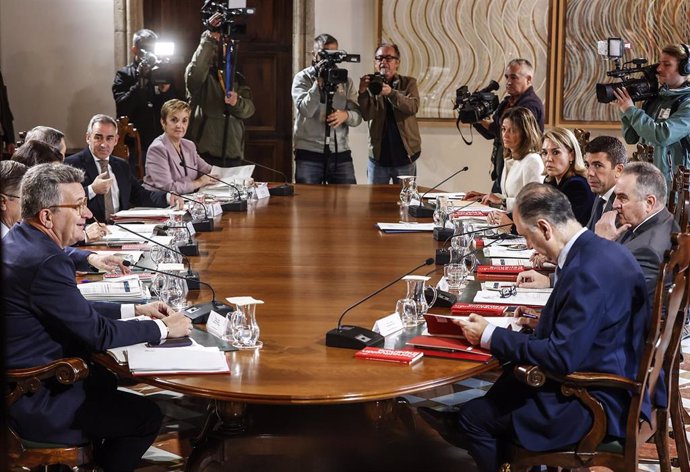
<point x="640" y="81"/>
<point x="474" y="107"/>
<point x="228" y="17"/>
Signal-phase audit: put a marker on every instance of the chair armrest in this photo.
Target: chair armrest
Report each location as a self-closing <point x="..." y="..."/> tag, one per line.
<point x="534" y="376"/>
<point x="67" y="371"/>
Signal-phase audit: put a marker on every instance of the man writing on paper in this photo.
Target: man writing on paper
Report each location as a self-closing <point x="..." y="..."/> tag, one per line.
<point x="47" y="318"/>
<point x="594" y="320"/>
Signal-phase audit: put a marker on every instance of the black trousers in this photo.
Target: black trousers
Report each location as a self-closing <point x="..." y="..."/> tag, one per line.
<point x="121" y="425"/>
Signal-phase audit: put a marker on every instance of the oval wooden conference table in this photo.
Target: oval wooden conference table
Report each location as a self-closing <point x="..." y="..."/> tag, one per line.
<point x="309" y="257"/>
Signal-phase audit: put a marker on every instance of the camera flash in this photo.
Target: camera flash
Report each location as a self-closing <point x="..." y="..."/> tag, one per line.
<point x="164" y="48"/>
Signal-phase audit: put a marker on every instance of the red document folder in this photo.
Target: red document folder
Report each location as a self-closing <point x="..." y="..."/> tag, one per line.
<point x="389" y="355"/>
<point x="454" y="348"/>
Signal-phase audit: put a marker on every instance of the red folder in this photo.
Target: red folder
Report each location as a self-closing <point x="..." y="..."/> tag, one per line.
<point x="389" y="355"/>
<point x="454" y="348"/>
<point x="500" y="269"/>
<point x="484" y="309"/>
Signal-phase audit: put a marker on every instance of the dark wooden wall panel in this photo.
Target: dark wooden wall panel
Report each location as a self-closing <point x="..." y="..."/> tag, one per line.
<point x="265" y="59"/>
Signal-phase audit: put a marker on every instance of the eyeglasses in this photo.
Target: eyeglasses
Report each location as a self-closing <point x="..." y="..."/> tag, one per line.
<point x="508" y="291"/>
<point x="80" y="207"/>
<point x="9" y="195"/>
<point x="385" y="58"/>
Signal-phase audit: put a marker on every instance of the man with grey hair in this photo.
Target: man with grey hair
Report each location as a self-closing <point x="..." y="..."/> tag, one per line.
<point x="519" y="75"/>
<point x="48" y="135"/>
<point x="47" y="318"/>
<point x="110" y="184"/>
<point x="644" y="224"/>
<point x="595" y="321"/>
<point x="11" y="173"/>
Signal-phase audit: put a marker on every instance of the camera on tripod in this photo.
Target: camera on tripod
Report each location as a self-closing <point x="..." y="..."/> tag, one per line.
<point x="155" y="66"/>
<point x="328" y="71"/>
<point x="228" y="17"/>
<point x="640" y="87"/>
<point x="474" y="107"/>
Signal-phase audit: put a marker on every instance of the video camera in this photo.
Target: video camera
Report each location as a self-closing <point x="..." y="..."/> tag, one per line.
<point x="640" y="88"/>
<point x="228" y="16"/>
<point x="155" y="66"/>
<point x="474" y="107"/>
<point x="328" y="71"/>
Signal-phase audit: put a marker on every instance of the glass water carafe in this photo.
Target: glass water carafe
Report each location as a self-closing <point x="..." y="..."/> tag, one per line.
<point x="416" y="285"/>
<point x="243" y="326"/>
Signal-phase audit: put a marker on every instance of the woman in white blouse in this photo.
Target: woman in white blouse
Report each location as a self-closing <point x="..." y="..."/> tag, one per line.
<point x="523" y="164"/>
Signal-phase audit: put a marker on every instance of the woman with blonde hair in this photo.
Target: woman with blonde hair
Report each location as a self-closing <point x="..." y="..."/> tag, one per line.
<point x="523" y="164"/>
<point x="565" y="169"/>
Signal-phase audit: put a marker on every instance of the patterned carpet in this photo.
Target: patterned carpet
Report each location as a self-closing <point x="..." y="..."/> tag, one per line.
<point x="184" y="416"/>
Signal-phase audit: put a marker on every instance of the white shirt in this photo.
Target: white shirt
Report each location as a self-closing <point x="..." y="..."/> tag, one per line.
<point x="3" y="230"/>
<point x="516" y="174"/>
<point x="115" y="190"/>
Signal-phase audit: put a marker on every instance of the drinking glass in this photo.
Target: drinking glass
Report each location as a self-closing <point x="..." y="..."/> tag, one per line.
<point x="455" y="275"/>
<point x="174" y="293"/>
<point x="406" y="308"/>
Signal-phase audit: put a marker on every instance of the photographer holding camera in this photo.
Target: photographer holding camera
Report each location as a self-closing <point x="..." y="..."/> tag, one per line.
<point x="137" y="97"/>
<point x="518" y="75"/>
<point x="319" y="159"/>
<point x="389" y="102"/>
<point x="216" y="112"/>
<point x="662" y="121"/>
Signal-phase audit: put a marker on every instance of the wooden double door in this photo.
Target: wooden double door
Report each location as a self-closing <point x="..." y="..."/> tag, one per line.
<point x="265" y="59"/>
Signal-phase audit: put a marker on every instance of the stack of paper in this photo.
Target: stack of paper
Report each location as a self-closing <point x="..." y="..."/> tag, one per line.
<point x="515" y="251"/>
<point x="530" y="297"/>
<point x="121" y="289"/>
<point x="144" y="360"/>
<point x="140" y="214"/>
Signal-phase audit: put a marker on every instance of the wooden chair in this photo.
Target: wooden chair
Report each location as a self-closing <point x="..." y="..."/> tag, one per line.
<point x="129" y="136"/>
<point x="582" y="138"/>
<point x="680" y="181"/>
<point x="644" y="153"/>
<point x="659" y="358"/>
<point x="682" y="209"/>
<point x="29" y="454"/>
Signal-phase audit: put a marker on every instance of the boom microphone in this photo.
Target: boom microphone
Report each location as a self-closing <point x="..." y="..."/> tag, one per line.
<point x="202" y="226"/>
<point x="191" y="276"/>
<point x="197" y="313"/>
<point x="424" y="211"/>
<point x="237" y="205"/>
<point x="356" y="337"/>
<point x="284" y="190"/>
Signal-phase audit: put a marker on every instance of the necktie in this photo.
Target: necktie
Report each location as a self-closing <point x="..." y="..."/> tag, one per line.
<point x="597" y="212"/>
<point x="108" y="197"/>
<point x="627" y="235"/>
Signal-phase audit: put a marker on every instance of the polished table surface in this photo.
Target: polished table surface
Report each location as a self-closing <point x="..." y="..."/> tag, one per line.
<point x="309" y="257"/>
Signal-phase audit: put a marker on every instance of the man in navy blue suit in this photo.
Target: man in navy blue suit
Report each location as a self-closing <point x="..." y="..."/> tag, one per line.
<point x="108" y="195"/>
<point x="595" y="320"/>
<point x="47" y="318"/>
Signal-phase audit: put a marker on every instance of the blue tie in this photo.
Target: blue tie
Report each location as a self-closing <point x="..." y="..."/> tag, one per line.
<point x="598" y="211"/>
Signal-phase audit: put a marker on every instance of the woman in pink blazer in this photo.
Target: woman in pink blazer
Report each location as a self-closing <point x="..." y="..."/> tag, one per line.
<point x="172" y="163"/>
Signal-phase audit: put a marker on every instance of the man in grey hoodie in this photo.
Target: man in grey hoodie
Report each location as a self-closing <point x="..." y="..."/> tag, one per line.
<point x="322" y="152"/>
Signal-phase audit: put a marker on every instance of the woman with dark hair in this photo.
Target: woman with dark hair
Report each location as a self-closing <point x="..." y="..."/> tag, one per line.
<point x="523" y="164"/>
<point x="33" y="152"/>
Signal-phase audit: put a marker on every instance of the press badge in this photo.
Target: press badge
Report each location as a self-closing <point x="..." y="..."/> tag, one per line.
<point x="664" y="113"/>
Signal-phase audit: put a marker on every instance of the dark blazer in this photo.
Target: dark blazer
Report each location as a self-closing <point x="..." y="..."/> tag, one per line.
<point x="131" y="191"/>
<point x="595" y="320"/>
<point x="579" y="195"/>
<point x="607" y="207"/>
<point x="648" y="243"/>
<point x="47" y="318"/>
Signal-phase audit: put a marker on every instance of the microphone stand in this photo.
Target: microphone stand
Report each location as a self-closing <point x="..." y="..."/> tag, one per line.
<point x="199" y="312"/>
<point x="356" y="337"/>
<point x="235" y="206"/>
<point x="201" y="226"/>
<point x="423" y="211"/>
<point x="191" y="276"/>
<point x="284" y="190"/>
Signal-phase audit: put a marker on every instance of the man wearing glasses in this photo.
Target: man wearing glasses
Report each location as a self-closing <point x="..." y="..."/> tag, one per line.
<point x="47" y="318"/>
<point x="391" y="109"/>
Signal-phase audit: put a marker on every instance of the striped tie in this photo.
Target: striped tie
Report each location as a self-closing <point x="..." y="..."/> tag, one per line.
<point x="108" y="197"/>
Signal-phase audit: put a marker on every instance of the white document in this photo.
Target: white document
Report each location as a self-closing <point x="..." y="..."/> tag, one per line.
<point x="522" y="297"/>
<point x="405" y="227"/>
<point x="500" y="261"/>
<point x="121" y="289"/>
<point x="149" y="213"/>
<point x="231" y="173"/>
<point x="505" y="242"/>
<point x="449" y="195"/>
<point x="189" y="359"/>
<point x="517" y="251"/>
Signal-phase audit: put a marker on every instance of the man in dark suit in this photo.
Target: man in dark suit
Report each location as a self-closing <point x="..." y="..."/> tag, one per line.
<point x="605" y="157"/>
<point x="47" y="318"/>
<point x="594" y="320"/>
<point x="645" y="225"/>
<point x="108" y="195"/>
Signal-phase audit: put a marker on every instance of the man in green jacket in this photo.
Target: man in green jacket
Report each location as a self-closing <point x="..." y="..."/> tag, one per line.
<point x="205" y="84"/>
<point x="663" y="121"/>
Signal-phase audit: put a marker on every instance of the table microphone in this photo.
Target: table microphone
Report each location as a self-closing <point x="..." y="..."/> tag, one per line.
<point x="443" y="254"/>
<point x="356" y="337"/>
<point x="191" y="247"/>
<point x="424" y="211"/>
<point x="191" y="276"/>
<point x="235" y="206"/>
<point x="202" y="226"/>
<point x="284" y="190"/>
<point x="197" y="313"/>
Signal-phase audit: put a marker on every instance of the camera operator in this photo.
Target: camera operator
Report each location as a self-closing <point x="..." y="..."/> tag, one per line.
<point x="390" y="101"/>
<point x="309" y="92"/>
<point x="137" y="97"/>
<point x="205" y="81"/>
<point x="518" y="75"/>
<point x="662" y="121"/>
